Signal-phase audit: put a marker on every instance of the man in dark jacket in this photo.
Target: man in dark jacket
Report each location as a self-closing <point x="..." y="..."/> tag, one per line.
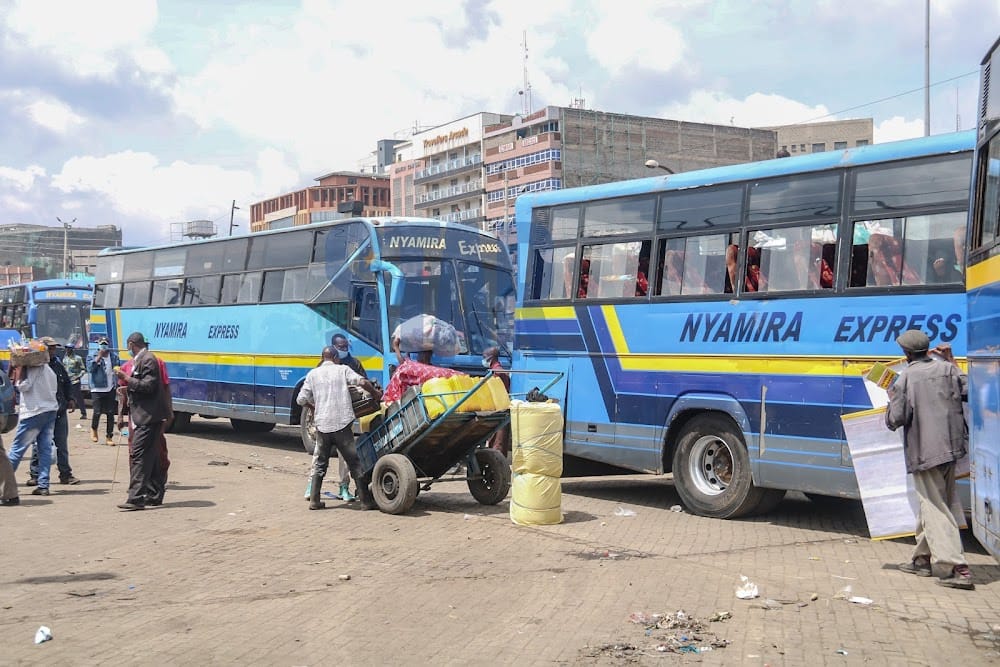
<point x="60" y="436"/>
<point x="926" y="400"/>
<point x="149" y="408"/>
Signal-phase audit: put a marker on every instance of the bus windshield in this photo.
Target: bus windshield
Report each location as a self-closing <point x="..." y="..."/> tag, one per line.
<point x="478" y="300"/>
<point x="63" y="321"/>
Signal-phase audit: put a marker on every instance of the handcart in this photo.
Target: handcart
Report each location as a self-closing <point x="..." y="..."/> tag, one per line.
<point x="409" y="451"/>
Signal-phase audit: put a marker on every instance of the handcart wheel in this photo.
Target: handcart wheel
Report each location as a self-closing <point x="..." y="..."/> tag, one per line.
<point x="493" y="482"/>
<point x="394" y="484"/>
<point x="307" y="429"/>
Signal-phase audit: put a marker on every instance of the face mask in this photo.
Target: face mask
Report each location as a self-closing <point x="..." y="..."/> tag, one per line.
<point x="104" y="347"/>
<point x="486" y="363"/>
<point x="343" y="353"/>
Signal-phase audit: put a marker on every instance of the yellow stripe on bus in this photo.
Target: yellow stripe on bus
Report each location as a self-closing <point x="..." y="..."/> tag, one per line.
<point x="294" y="361"/>
<point x="983" y="273"/>
<point x="98" y="318"/>
<point x="546" y="313"/>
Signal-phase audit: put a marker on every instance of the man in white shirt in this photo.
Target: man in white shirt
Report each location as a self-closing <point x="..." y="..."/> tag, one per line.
<point x="36" y="419"/>
<point x="325" y="388"/>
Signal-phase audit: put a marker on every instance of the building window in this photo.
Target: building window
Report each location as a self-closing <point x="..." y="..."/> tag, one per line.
<point x="839" y="145"/>
<point x="861" y="142"/>
<point x="819" y="148"/>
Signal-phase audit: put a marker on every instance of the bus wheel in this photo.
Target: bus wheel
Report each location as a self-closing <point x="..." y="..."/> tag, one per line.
<point x="247" y="426"/>
<point x="181" y="422"/>
<point x="712" y="469"/>
<point x="493" y="482"/>
<point x="394" y="484"/>
<point x="307" y="429"/>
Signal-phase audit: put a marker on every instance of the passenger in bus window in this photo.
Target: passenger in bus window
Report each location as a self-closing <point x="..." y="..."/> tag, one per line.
<point x="951" y="269"/>
<point x="641" y="278"/>
<point x="584" y="286"/>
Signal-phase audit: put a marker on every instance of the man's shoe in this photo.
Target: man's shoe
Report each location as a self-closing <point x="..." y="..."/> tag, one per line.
<point x="109" y="441"/>
<point x="345" y="493"/>
<point x="32" y="481"/>
<point x="40" y="491"/>
<point x="920" y="566"/>
<point x="10" y="502"/>
<point x="69" y="479"/>
<point x="153" y="503"/>
<point x="93" y="435"/>
<point x="131" y="507"/>
<point x="960" y="577"/>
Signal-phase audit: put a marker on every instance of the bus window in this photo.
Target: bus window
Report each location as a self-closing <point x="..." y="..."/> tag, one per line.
<point x="611" y="270"/>
<point x="624" y="216"/>
<point x="694" y="264"/>
<point x="912" y="250"/>
<point x="336" y="244"/>
<point x="280" y="250"/>
<point x="249" y="288"/>
<point x="169" y="262"/>
<point x="204" y="258"/>
<point x="110" y="270"/>
<point x="893" y="187"/>
<point x="366" y="314"/>
<point x="137" y="267"/>
<point x="167" y="292"/>
<point x="701" y="208"/>
<point x="565" y="223"/>
<point x="112" y="295"/>
<point x="230" y="288"/>
<point x="136" y="295"/>
<point x="202" y="291"/>
<point x="800" y="196"/>
<point x="793" y="258"/>
<point x="554" y="269"/>
<point x="234" y="255"/>
<point x="988" y="219"/>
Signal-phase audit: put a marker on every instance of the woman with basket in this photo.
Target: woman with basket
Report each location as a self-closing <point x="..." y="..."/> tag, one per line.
<point x="36" y="383"/>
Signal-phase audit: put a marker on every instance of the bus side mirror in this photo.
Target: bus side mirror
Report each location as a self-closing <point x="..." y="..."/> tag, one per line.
<point x="398" y="279"/>
<point x="32" y="314"/>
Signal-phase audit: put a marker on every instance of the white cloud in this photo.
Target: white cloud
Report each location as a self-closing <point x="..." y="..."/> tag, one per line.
<point x="11" y="203"/>
<point x="138" y="186"/>
<point x="896" y="128"/>
<point x="21" y="179"/>
<point x="639" y="36"/>
<point x="756" y="110"/>
<point x="88" y="38"/>
<point x="54" y="115"/>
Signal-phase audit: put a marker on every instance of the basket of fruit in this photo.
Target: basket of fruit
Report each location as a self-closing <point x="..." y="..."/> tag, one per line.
<point x="28" y="353"/>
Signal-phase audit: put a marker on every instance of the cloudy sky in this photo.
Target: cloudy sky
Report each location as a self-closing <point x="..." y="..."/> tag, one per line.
<point x="141" y="113"/>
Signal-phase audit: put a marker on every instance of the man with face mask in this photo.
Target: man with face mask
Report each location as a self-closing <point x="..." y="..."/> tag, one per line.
<point x="102" y="390"/>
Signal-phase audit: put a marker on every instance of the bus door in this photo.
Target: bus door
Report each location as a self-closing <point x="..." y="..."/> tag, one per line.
<point x="366" y="312"/>
<point x="984" y="424"/>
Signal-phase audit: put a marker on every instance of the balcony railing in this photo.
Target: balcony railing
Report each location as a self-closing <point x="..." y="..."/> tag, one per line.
<point x="450" y="165"/>
<point x="461" y="216"/>
<point x="444" y="193"/>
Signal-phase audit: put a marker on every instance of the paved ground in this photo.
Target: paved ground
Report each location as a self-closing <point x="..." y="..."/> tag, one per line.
<point x="234" y="569"/>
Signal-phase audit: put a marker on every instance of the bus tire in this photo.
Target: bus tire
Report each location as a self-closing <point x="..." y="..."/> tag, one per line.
<point x="394" y="484"/>
<point x="493" y="483"/>
<point x="712" y="469"/>
<point x="247" y="426"/>
<point x="307" y="430"/>
<point x="181" y="423"/>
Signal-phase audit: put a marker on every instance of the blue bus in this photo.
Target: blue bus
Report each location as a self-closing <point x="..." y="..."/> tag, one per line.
<point x="716" y="324"/>
<point x="57" y="307"/>
<point x="240" y="321"/>
<point x="983" y="283"/>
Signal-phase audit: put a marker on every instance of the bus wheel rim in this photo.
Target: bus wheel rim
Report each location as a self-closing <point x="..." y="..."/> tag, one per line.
<point x="710" y="466"/>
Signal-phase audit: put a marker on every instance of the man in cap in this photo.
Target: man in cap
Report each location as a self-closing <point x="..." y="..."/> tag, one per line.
<point x="102" y="390"/>
<point x="149" y="408"/>
<point x="60" y="434"/>
<point x="926" y="400"/>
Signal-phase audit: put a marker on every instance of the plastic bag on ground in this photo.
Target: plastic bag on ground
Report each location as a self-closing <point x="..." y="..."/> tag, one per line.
<point x="535" y="500"/>
<point x="426" y="332"/>
<point x="536" y="438"/>
<point x="747" y="590"/>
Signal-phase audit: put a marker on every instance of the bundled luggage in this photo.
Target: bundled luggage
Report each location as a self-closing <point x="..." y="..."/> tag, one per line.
<point x="426" y="332"/>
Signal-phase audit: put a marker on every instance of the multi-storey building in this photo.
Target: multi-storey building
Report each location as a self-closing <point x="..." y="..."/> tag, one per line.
<point x="455" y="172"/>
<point x="828" y="136"/>
<point x="563" y="147"/>
<point x="336" y="191"/>
<point x="51" y="251"/>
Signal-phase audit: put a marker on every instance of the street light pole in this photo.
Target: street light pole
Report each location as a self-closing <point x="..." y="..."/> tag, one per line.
<point x="232" y="212"/>
<point x="653" y="164"/>
<point x="66" y="226"/>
